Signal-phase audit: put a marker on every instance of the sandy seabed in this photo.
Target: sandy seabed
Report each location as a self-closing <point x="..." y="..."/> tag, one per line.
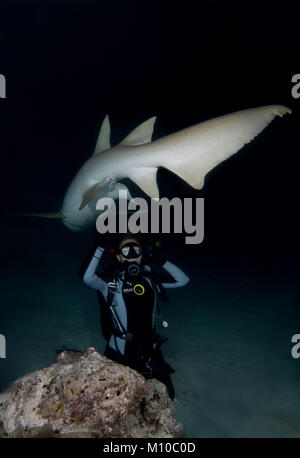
<point x="229" y="333"/>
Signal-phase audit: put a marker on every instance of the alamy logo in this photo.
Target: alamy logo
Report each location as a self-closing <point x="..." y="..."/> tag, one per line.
<point x="2" y="346"/>
<point x="296" y="348"/>
<point x="296" y="87"/>
<point x="2" y="87"/>
<point x="158" y="215"/>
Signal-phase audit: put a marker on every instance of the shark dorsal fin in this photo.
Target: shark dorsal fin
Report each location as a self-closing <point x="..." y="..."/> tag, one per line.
<point x="103" y="141"/>
<point x="141" y="134"/>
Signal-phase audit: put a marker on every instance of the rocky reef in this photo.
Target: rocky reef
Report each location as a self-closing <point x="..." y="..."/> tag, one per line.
<point x="87" y="395"/>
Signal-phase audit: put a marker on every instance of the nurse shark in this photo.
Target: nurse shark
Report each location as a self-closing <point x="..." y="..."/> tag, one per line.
<point x="189" y="153"/>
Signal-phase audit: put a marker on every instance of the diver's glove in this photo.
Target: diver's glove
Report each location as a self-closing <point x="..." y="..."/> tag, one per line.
<point x="99" y="252"/>
<point x="155" y="257"/>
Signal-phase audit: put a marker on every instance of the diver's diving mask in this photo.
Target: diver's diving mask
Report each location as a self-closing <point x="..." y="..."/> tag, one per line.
<point x="131" y="250"/>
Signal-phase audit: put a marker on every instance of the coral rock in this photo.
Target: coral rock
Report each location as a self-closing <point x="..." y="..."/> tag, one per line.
<point x="87" y="395"/>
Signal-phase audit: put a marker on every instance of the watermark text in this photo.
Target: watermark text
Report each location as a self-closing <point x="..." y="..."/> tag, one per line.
<point x="180" y="216"/>
<point x="2" y="87"/>
<point x="296" y="88"/>
<point x="296" y="348"/>
<point x="2" y="346"/>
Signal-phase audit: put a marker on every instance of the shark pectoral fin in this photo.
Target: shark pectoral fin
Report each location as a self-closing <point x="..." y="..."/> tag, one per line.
<point x="103" y="141"/>
<point x="141" y="134"/>
<point x="90" y="193"/>
<point x="212" y="142"/>
<point x="145" y="178"/>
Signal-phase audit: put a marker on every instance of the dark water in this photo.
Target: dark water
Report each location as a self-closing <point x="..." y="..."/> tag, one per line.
<point x="230" y="328"/>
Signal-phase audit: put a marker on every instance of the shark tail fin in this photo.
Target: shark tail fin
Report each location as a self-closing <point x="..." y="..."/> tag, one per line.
<point x="54" y="215"/>
<point x="199" y="149"/>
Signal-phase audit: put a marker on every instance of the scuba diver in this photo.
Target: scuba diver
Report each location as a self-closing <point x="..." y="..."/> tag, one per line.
<point x="129" y="306"/>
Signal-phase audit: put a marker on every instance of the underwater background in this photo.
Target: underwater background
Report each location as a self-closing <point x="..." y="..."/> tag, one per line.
<point x="69" y="64"/>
